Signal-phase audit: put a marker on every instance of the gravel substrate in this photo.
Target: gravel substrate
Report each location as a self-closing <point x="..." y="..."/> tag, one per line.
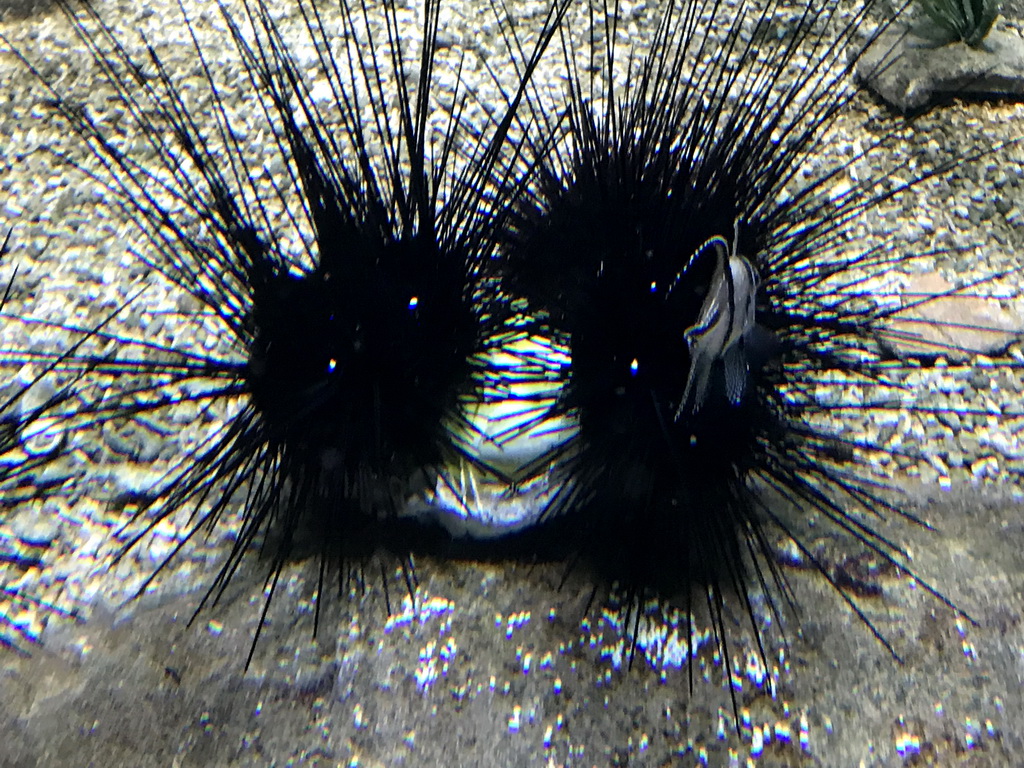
<point x="496" y="665"/>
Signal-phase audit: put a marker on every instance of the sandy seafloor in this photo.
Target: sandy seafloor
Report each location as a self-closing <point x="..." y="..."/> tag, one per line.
<point x="497" y="665"/>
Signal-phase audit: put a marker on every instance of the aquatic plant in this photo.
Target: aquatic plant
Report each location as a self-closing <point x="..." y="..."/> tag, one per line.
<point x="966" y="21"/>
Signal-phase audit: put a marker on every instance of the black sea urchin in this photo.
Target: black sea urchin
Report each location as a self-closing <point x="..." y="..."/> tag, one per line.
<point x="706" y="278"/>
<point x="335" y="244"/>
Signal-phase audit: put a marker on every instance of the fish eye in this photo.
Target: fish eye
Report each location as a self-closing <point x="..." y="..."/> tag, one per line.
<point x="634" y="366"/>
<point x="414" y="302"/>
<point x="332" y="365"/>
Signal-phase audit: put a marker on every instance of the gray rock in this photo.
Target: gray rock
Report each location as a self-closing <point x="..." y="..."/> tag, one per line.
<point x="950" y="418"/>
<point x="909" y="73"/>
<point x="35" y="528"/>
<point x="940" y="321"/>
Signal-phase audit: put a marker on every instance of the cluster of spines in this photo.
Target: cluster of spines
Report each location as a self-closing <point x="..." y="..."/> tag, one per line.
<point x="357" y="355"/>
<point x="667" y="498"/>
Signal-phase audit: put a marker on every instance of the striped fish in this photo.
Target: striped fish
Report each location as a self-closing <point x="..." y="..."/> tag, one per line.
<point x="725" y="321"/>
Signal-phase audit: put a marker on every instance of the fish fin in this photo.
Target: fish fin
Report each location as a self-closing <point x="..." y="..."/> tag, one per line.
<point x="735" y="363"/>
<point x="696" y="383"/>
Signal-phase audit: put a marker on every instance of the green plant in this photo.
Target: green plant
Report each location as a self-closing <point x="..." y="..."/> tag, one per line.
<point x="966" y="20"/>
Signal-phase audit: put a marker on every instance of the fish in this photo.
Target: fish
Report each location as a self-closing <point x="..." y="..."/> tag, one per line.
<point x="725" y="322"/>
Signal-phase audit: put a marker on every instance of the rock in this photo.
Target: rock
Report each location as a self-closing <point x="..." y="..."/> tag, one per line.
<point x="909" y="73"/>
<point x="951" y="325"/>
<point x="35" y="528"/>
<point x="42" y="436"/>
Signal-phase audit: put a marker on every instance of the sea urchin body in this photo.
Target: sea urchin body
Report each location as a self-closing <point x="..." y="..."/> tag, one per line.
<point x="342" y="269"/>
